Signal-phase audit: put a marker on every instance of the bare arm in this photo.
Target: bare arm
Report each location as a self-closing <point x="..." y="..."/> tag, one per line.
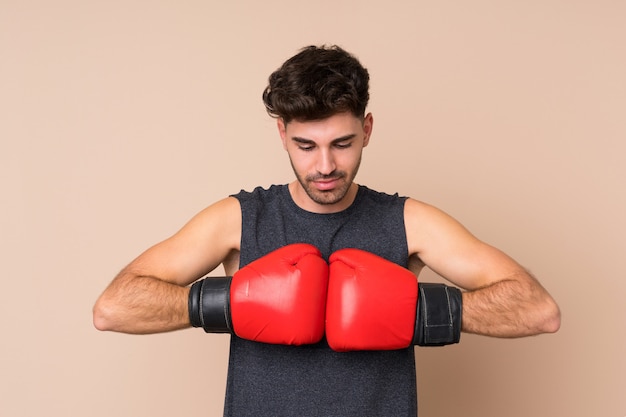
<point x="501" y="299"/>
<point x="150" y="295"/>
<point x="141" y="304"/>
<point x="515" y="306"/>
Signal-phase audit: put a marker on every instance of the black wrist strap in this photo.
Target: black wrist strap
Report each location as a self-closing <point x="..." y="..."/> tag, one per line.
<point x="439" y="315"/>
<point x="209" y="304"/>
<point x="193" y="304"/>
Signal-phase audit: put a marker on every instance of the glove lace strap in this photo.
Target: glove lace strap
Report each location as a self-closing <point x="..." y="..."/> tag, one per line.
<point x="439" y="310"/>
<point x="209" y="305"/>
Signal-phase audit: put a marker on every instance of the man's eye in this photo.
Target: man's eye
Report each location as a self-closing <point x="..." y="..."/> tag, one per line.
<point x="344" y="145"/>
<point x="306" y="148"/>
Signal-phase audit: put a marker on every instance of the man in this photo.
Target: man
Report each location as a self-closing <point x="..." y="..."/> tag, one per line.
<point x="322" y="300"/>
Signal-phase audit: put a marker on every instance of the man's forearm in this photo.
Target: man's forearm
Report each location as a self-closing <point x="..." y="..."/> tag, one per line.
<point x="139" y="304"/>
<point x="514" y="307"/>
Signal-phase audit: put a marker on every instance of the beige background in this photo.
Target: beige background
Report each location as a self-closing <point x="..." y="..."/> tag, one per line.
<point x="119" y="120"/>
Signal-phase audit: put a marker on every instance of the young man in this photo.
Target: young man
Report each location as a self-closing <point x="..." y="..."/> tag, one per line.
<point x="322" y="300"/>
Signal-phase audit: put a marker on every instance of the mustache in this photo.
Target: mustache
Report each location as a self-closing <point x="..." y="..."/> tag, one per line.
<point x="332" y="176"/>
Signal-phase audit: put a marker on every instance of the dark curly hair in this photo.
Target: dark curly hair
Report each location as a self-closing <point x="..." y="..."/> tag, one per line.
<point x="317" y="83"/>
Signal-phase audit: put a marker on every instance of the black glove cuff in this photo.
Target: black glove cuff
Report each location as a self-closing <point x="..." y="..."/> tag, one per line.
<point x="439" y="315"/>
<point x="209" y="305"/>
<point x="193" y="304"/>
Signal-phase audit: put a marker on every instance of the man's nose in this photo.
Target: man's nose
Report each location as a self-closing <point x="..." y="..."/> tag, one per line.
<point x="326" y="162"/>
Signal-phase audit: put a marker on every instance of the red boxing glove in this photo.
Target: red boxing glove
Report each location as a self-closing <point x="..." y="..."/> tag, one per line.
<point x="279" y="298"/>
<point x="371" y="303"/>
<point x="374" y="304"/>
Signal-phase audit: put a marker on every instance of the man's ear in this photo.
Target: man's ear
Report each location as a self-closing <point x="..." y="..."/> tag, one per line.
<point x="368" y="126"/>
<point x="282" y="131"/>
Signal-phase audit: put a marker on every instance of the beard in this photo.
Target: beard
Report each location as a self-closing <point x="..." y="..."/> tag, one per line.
<point x="328" y="197"/>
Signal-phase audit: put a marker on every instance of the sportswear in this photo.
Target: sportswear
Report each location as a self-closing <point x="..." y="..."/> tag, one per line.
<point x="313" y="380"/>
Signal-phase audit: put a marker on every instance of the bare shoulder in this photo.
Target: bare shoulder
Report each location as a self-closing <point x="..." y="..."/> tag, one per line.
<point x="223" y="216"/>
<point x="427" y="225"/>
<point x="218" y="226"/>
<point x="415" y="208"/>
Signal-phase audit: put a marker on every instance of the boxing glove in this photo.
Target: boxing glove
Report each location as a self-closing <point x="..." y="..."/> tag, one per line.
<point x="374" y="304"/>
<point x="279" y="298"/>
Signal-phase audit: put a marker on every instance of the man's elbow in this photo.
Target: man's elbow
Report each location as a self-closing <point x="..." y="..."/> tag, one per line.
<point x="551" y="317"/>
<point x="103" y="315"/>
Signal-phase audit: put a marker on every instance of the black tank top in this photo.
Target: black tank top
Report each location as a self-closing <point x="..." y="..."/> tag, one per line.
<point x="274" y="380"/>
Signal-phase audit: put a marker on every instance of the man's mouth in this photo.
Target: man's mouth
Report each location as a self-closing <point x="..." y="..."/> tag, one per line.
<point x="325" y="185"/>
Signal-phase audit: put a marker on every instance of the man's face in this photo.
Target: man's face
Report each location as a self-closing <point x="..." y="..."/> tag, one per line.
<point x="325" y="156"/>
